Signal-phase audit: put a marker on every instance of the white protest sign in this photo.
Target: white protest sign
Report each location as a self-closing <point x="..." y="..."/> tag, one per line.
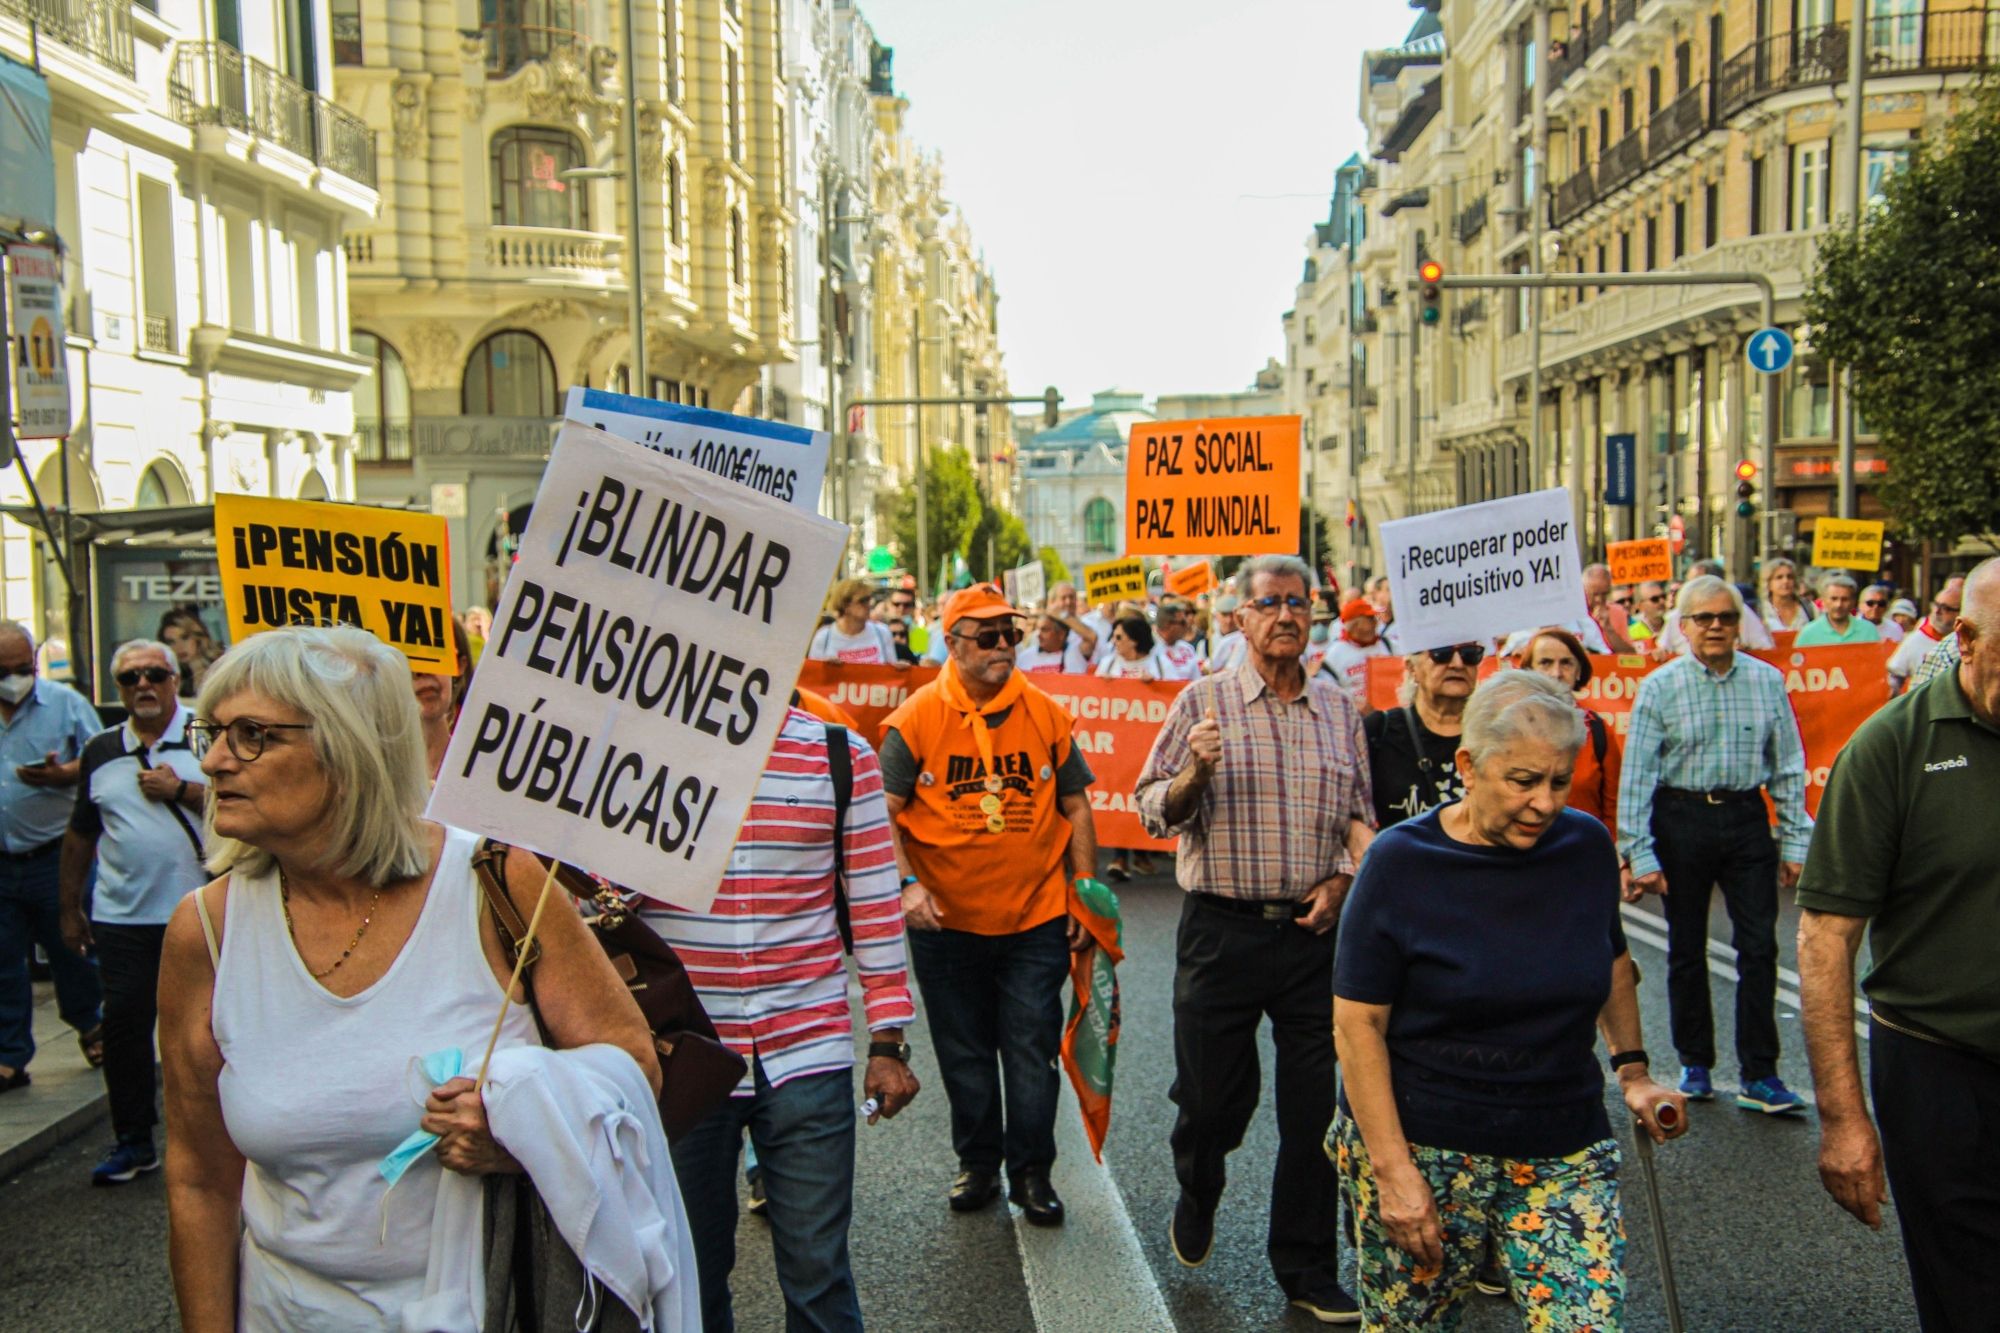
<point x="1483" y="571"/>
<point x="784" y="462"/>
<point x="640" y="664"/>
<point x="1030" y="585"/>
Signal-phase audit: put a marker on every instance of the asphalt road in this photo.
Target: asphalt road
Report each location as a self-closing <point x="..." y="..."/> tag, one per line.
<point x="1756" y="1244"/>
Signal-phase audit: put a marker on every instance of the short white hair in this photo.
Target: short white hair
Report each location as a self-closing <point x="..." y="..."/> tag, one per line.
<point x="366" y="734"/>
<point x="132" y="646"/>
<point x="1277" y="567"/>
<point x="1696" y="591"/>
<point x="1516" y="705"/>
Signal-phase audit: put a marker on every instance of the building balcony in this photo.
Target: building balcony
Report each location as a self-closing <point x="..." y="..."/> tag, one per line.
<point x="215" y="84"/>
<point x="1621" y="162"/>
<point x="1573" y="196"/>
<point x="555" y="255"/>
<point x="512" y="45"/>
<point x="1679" y="123"/>
<point x="381" y="441"/>
<point x="1963" y="41"/>
<point x="465" y="438"/>
<point x="100" y="29"/>
<point x="1471" y="417"/>
<point x="1471" y="221"/>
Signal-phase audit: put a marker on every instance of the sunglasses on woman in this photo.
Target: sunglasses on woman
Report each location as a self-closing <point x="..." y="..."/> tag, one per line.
<point x="1472" y="654"/>
<point x="151" y="675"/>
<point x="993" y="637"/>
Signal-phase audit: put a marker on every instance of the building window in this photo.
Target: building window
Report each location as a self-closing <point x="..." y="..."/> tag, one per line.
<point x="1883" y="163"/>
<point x="734" y="106"/>
<point x="157" y="489"/>
<point x="1625" y="110"/>
<point x="158" y="288"/>
<point x="1100" y="526"/>
<point x="510" y="374"/>
<point x="1810" y="14"/>
<point x="670" y="43"/>
<point x="518" y="31"/>
<point x="736" y="265"/>
<point x="346" y="26"/>
<point x="1683" y="66"/>
<point x="674" y="200"/>
<point x="1582" y="157"/>
<point x="1624" y="252"/>
<point x="1653" y="90"/>
<point x="1757" y="190"/>
<point x="528" y="188"/>
<point x="381" y="403"/>
<point x="1810" y="183"/>
<point x="1711" y="214"/>
<point x="1680" y="228"/>
<point x="1651" y="257"/>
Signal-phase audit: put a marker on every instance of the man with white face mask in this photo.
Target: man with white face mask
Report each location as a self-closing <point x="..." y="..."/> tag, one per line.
<point x="43" y="729"/>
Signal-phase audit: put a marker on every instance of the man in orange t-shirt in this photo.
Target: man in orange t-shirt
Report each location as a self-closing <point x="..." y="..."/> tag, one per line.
<point x="992" y="800"/>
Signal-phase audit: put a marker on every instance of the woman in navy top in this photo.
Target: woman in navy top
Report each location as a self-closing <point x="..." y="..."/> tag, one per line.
<point x="1479" y="953"/>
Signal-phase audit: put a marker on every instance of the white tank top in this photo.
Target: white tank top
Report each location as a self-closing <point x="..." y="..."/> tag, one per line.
<point x="316" y="1092"/>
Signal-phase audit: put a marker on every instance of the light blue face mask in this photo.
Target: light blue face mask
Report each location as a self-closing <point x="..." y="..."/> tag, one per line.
<point x="1319" y="633"/>
<point x="436" y="1068"/>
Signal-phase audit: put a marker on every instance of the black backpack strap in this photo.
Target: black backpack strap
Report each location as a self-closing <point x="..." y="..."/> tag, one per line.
<point x="840" y="767"/>
<point x="1409" y="712"/>
<point x="1600" y="736"/>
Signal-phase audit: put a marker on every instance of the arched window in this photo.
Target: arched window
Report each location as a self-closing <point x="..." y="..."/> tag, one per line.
<point x="158" y="488"/>
<point x="736" y="246"/>
<point x="510" y="374"/>
<point x="1100" y="526"/>
<point x="518" y="31"/>
<point x="381" y="403"/>
<point x="527" y="185"/>
<point x="312" y="486"/>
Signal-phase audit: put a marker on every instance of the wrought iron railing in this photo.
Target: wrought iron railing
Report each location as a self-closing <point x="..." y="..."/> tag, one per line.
<point x="215" y="84"/>
<point x="101" y="29"/>
<point x="159" y="333"/>
<point x="512" y="45"/>
<point x="1471" y="221"/>
<point x="1679" y="123"/>
<point x="1621" y="162"/>
<point x="346" y="144"/>
<point x="381" y="441"/>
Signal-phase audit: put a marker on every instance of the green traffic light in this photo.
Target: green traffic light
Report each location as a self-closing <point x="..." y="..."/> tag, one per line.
<point x="1745" y="509"/>
<point x="1430" y="314"/>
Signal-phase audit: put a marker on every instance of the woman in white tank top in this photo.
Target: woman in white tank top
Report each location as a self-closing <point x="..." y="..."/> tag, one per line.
<point x="345" y="938"/>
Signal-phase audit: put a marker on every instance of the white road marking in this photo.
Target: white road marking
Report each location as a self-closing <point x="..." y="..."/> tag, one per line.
<point x="1650" y="929"/>
<point x="1088" y="1274"/>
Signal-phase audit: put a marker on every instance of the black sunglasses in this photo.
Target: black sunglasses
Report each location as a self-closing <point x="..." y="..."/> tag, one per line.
<point x="151" y="675"/>
<point x="1472" y="654"/>
<point x="1727" y="619"/>
<point x="991" y="638"/>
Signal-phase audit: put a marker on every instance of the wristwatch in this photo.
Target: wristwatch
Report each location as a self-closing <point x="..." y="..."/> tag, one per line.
<point x="1620" y="1059"/>
<point x="898" y="1051"/>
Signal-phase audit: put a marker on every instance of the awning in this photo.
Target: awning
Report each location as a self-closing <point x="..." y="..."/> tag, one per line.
<point x="171" y="523"/>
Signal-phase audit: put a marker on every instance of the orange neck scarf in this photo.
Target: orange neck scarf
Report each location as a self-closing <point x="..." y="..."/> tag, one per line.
<point x="952" y="689"/>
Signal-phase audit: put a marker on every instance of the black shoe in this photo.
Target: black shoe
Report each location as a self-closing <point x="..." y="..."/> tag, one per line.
<point x="1037" y="1199"/>
<point x="973" y="1190"/>
<point x="1491" y="1279"/>
<point x="1329" y="1304"/>
<point x="1192" y="1232"/>
<point x="758" y="1203"/>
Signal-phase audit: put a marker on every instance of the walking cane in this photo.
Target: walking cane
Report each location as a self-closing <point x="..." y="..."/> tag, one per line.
<point x="1669" y="1116"/>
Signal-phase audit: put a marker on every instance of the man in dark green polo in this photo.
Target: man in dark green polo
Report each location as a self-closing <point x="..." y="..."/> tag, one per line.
<point x="1921" y="884"/>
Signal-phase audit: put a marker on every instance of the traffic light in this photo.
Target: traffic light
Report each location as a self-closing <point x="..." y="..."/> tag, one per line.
<point x="1430" y="274"/>
<point x="1051" y="405"/>
<point x="1746" y="489"/>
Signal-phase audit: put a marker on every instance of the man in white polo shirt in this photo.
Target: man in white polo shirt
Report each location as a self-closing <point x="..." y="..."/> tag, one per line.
<point x="1178" y="650"/>
<point x="138" y="812"/>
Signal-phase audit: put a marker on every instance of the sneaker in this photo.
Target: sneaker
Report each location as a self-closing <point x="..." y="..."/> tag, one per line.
<point x="1329" y="1305"/>
<point x="758" y="1203"/>
<point x="1695" y="1084"/>
<point x="1769" y="1095"/>
<point x="125" y="1161"/>
<point x="1192" y="1232"/>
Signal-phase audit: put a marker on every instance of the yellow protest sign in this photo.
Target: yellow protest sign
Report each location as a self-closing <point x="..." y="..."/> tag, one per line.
<point x="1191" y="580"/>
<point x="1114" y="580"/>
<point x="302" y="562"/>
<point x="1641" y="560"/>
<point x="1226" y="486"/>
<point x="1847" y="543"/>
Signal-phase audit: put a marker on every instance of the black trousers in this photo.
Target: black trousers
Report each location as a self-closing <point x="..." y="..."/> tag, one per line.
<point x="1234" y="971"/>
<point x="1938" y="1111"/>
<point x="1729" y="847"/>
<point x="128" y="966"/>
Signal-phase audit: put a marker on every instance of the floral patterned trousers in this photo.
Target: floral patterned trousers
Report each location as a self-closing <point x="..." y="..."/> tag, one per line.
<point x="1556" y="1224"/>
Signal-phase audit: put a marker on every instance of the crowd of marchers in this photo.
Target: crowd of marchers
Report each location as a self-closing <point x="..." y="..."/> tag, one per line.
<point x="246" y="864"/>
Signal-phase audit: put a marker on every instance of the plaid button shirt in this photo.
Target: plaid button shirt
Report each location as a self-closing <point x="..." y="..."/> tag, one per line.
<point x="1273" y="821"/>
<point x="1700" y="731"/>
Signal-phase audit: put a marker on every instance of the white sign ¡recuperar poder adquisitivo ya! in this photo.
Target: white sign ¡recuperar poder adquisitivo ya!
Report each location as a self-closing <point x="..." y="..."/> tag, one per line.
<point x="640" y="664"/>
<point x="1483" y="571"/>
<point x="784" y="462"/>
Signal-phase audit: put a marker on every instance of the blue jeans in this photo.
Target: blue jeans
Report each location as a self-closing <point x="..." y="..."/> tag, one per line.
<point x="803" y="1130"/>
<point x="30" y="914"/>
<point x="995" y="1008"/>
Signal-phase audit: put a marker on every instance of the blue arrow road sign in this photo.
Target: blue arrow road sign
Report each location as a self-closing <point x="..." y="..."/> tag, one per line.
<point x="1770" y="350"/>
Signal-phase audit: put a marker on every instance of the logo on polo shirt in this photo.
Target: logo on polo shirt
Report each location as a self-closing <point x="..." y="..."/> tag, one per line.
<point x="1945" y="765"/>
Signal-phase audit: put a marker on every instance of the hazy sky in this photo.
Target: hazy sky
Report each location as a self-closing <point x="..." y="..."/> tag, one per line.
<point x="1140" y="173"/>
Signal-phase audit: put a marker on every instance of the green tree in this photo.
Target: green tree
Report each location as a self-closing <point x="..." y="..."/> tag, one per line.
<point x="953" y="507"/>
<point x="1228" y="563"/>
<point x="1913" y="308"/>
<point x="1000" y="532"/>
<point x="1053" y="568"/>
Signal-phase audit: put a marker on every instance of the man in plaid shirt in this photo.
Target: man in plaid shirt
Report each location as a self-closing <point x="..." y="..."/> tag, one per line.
<point x="1262" y="773"/>
<point x="1713" y="732"/>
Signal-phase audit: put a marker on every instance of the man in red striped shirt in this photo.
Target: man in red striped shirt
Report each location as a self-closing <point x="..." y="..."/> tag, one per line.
<point x="766" y="961"/>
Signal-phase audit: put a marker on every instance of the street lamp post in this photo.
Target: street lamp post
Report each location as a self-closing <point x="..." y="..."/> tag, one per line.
<point x="1857" y="68"/>
<point x="635" y="239"/>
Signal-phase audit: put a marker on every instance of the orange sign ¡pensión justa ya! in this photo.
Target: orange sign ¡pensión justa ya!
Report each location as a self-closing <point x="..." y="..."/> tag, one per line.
<point x="1220" y="486"/>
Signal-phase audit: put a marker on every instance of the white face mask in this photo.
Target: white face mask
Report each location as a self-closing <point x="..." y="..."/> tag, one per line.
<point x="13" y="689"/>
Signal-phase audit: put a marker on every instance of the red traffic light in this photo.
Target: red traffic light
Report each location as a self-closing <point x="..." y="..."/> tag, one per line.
<point x="1746" y="471"/>
<point x="1430" y="271"/>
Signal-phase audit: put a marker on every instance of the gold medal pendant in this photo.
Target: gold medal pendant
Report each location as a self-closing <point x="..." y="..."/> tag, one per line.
<point x="995" y="785"/>
<point x="990" y="804"/>
<point x="995" y="824"/>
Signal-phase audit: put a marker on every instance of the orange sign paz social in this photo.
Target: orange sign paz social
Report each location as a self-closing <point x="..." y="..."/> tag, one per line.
<point x="1641" y="560"/>
<point x="1226" y="486"/>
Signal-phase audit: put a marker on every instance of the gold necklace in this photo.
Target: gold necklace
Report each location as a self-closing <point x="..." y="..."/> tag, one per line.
<point x="285" y="898"/>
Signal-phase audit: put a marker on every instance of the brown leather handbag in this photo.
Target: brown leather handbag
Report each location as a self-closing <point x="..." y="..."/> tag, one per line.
<point x="697" y="1071"/>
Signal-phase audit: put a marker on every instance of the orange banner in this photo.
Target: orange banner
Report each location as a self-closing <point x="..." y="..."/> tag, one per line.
<point x="1638" y="561"/>
<point x="1191" y="580"/>
<point x="1228" y="486"/>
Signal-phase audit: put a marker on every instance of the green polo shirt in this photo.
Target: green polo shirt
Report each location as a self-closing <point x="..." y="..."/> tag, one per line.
<point x="1905" y="838"/>
<point x="1820" y="634"/>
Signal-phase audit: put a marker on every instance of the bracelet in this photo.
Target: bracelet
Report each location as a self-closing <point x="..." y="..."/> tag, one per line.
<point x="1636" y="1056"/>
<point x="908" y="880"/>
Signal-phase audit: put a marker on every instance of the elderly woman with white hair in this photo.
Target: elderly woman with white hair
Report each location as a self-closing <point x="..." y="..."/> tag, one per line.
<point x="1479" y="948"/>
<point x="344" y="937"/>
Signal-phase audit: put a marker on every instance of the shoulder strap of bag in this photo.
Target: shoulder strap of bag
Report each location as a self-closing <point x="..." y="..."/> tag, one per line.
<point x="489" y="868"/>
<point x="1600" y="737"/>
<point x="207" y="928"/>
<point x="1409" y="712"/>
<point x="840" y="767"/>
<point x="174" y="807"/>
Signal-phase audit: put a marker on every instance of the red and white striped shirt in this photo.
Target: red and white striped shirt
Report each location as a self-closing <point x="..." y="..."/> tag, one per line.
<point x="766" y="957"/>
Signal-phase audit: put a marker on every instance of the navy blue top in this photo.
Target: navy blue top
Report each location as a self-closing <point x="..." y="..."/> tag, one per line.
<point x="1495" y="963"/>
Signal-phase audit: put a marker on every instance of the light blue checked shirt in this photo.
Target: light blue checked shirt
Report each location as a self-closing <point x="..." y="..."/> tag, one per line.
<point x="1699" y="731"/>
